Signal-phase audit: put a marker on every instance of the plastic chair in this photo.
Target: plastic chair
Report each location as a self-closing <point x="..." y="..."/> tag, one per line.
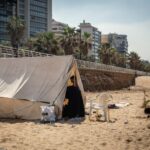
<point x="101" y="105"/>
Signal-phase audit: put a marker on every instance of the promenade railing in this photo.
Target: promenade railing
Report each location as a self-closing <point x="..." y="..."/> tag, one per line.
<point x="6" y="51"/>
<point x="98" y="66"/>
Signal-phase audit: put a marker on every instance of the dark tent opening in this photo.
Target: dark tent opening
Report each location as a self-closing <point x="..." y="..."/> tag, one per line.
<point x="73" y="103"/>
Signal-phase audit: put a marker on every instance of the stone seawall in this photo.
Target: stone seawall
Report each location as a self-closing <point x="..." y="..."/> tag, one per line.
<point x="99" y="77"/>
<point x="99" y="80"/>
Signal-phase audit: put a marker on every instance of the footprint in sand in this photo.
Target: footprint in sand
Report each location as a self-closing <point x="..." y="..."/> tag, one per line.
<point x="129" y="140"/>
<point x="104" y="144"/>
<point x="14" y="146"/>
<point x="5" y="140"/>
<point x="139" y="139"/>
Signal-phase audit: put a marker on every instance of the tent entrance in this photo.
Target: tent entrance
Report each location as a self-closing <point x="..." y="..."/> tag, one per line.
<point x="73" y="103"/>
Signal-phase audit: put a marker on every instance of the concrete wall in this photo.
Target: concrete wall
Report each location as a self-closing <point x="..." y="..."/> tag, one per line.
<point x="99" y="77"/>
<point x="99" y="80"/>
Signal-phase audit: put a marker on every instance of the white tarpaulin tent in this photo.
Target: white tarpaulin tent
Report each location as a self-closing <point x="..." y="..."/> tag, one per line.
<point x="27" y="83"/>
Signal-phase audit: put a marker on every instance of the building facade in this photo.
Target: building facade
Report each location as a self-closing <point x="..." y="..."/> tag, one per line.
<point x="6" y="9"/>
<point x="58" y="27"/>
<point x="37" y="15"/>
<point x="117" y="41"/>
<point x="95" y="39"/>
<point x="104" y="39"/>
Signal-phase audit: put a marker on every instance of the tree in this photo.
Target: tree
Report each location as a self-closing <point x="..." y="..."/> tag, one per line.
<point x="107" y="54"/>
<point x="31" y="43"/>
<point x="85" y="44"/>
<point x="45" y="42"/>
<point x="134" y="61"/>
<point x="73" y="44"/>
<point x="15" y="28"/>
<point x="120" y="59"/>
<point x="68" y="41"/>
<point x="145" y="66"/>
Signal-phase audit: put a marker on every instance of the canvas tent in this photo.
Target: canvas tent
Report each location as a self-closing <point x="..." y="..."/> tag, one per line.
<point x="30" y="82"/>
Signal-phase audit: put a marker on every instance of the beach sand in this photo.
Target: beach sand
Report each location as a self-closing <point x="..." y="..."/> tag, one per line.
<point x="129" y="129"/>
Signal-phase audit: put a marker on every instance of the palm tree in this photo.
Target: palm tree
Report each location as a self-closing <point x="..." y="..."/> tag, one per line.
<point x="46" y="42"/>
<point x="119" y="59"/>
<point x="68" y="41"/>
<point x="107" y="54"/>
<point x="15" y="28"/>
<point x="31" y="42"/>
<point x="74" y="44"/>
<point x="145" y="66"/>
<point x="134" y="61"/>
<point x="85" y="44"/>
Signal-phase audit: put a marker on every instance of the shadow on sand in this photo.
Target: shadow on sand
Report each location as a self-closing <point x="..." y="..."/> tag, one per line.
<point x="62" y="121"/>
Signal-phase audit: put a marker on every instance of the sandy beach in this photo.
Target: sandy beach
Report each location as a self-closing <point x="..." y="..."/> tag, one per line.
<point x="129" y="129"/>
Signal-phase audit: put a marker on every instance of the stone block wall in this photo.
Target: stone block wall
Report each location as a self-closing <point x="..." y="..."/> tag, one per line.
<point x="99" y="80"/>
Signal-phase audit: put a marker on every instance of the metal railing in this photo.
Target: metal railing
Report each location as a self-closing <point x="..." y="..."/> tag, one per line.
<point x="6" y="51"/>
<point x="103" y="67"/>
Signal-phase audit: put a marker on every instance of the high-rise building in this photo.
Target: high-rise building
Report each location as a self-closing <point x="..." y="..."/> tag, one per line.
<point x="58" y="27"/>
<point x="95" y="39"/>
<point x="6" y="9"/>
<point x="117" y="41"/>
<point x="37" y="15"/>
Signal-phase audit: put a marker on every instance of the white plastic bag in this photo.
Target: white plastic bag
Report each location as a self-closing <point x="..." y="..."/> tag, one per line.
<point x="48" y="114"/>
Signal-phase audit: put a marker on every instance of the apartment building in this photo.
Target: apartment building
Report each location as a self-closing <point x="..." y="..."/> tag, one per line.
<point x="117" y="41"/>
<point x="95" y="39"/>
<point x="37" y="15"/>
<point x="58" y="27"/>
